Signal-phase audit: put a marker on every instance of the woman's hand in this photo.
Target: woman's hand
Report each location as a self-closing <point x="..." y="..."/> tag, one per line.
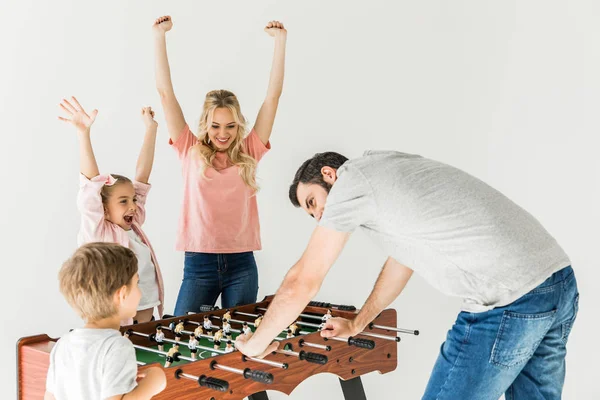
<point x="276" y="29"/>
<point x="162" y="24"/>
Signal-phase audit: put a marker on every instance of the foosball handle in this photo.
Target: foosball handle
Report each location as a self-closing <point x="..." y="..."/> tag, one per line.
<point x="315" y="358"/>
<point x="258" y="376"/>
<point x="167" y="316"/>
<point x="363" y="343"/>
<point x="213" y="383"/>
<point x="339" y="307"/>
<point x="207" y="308"/>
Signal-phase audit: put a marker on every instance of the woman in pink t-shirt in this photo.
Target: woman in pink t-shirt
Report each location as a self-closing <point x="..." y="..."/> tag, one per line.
<point x="218" y="226"/>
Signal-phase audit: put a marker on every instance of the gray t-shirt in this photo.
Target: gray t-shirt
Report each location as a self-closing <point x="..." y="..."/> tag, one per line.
<point x="463" y="236"/>
<point x="91" y="364"/>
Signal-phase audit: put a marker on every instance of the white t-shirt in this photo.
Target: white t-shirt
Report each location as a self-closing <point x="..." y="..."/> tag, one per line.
<point x="91" y="364"/>
<point x="146" y="271"/>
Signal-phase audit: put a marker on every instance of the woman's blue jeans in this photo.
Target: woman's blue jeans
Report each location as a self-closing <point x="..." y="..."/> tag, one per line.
<point x="207" y="275"/>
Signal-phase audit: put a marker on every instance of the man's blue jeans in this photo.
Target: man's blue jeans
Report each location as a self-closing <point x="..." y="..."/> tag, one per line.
<point x="206" y="275"/>
<point x="518" y="349"/>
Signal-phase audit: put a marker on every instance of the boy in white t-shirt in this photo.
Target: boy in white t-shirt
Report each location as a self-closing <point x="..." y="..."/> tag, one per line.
<point x="100" y="281"/>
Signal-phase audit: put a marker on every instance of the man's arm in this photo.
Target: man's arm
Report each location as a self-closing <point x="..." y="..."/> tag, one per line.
<point x="390" y="283"/>
<point x="299" y="286"/>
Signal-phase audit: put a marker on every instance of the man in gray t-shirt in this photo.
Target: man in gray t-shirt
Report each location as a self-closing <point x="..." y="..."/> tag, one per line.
<point x="466" y="239"/>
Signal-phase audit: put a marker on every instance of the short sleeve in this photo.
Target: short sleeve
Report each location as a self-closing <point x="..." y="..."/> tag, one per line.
<point x="119" y="369"/>
<point x="141" y="191"/>
<point x="255" y="147"/>
<point x="350" y="202"/>
<point x="184" y="142"/>
<point x="89" y="203"/>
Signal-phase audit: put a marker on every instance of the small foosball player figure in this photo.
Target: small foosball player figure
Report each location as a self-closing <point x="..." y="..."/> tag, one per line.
<point x="322" y="326"/>
<point x="198" y="332"/>
<point x="327" y="316"/>
<point x="178" y="328"/>
<point x="217" y="339"/>
<point x="160" y="338"/>
<point x="192" y="345"/>
<point x="227" y="315"/>
<point x="229" y="348"/>
<point x="246" y="330"/>
<point x="226" y="327"/>
<point x="294" y="328"/>
<point x="289" y="334"/>
<point x="207" y="325"/>
<point x="171" y="354"/>
<point x="258" y="320"/>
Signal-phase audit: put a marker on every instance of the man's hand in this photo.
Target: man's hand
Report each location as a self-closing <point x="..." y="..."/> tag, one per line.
<point x="339" y="327"/>
<point x="244" y="345"/>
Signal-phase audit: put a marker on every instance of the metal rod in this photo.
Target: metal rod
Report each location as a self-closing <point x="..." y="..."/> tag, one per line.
<point x="391" y="328"/>
<point x="246" y="314"/>
<point x="339" y="339"/>
<point x="188" y="376"/>
<point x="267" y="362"/>
<point x="228" y="369"/>
<point x="287" y="352"/>
<point x="317" y="346"/>
<point x="301" y="315"/>
<point x="384" y="337"/>
<point x="307" y="324"/>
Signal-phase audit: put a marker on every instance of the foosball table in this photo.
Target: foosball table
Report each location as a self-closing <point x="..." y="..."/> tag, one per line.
<point x="200" y="362"/>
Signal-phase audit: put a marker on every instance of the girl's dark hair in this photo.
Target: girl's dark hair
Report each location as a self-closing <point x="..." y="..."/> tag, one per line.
<point x="310" y="172"/>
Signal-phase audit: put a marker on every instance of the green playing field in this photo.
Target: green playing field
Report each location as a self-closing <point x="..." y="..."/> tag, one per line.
<point x="149" y="357"/>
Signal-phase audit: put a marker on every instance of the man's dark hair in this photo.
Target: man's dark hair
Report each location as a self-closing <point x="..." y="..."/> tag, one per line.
<point x="310" y="172"/>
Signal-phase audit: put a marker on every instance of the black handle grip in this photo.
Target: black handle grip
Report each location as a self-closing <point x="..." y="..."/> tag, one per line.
<point x="207" y="308"/>
<point x="258" y="376"/>
<point x="213" y="383"/>
<point x="363" y="343"/>
<point x="167" y="316"/>
<point x="315" y="358"/>
<point x="333" y="306"/>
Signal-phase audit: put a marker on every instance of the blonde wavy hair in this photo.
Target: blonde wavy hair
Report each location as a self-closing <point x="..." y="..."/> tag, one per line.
<point x="236" y="151"/>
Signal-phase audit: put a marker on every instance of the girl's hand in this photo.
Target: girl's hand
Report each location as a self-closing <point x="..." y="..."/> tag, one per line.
<point x="275" y="29"/>
<point x="148" y="117"/>
<point x="163" y="24"/>
<point x="77" y="115"/>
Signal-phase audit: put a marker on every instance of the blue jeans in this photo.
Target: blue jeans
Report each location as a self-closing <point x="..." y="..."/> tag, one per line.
<point x="518" y="349"/>
<point x="207" y="275"/>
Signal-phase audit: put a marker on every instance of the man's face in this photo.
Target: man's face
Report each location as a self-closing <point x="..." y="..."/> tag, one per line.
<point x="312" y="196"/>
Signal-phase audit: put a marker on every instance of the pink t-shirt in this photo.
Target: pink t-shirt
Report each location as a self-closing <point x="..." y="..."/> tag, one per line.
<point x="219" y="212"/>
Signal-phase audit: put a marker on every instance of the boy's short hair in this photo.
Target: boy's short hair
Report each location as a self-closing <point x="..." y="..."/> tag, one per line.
<point x="90" y="278"/>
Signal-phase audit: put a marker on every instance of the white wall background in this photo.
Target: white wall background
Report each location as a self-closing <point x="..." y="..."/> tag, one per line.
<point x="508" y="91"/>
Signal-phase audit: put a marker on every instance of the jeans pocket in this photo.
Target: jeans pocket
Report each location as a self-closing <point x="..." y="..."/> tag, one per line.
<point x="568" y="325"/>
<point x="519" y="336"/>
